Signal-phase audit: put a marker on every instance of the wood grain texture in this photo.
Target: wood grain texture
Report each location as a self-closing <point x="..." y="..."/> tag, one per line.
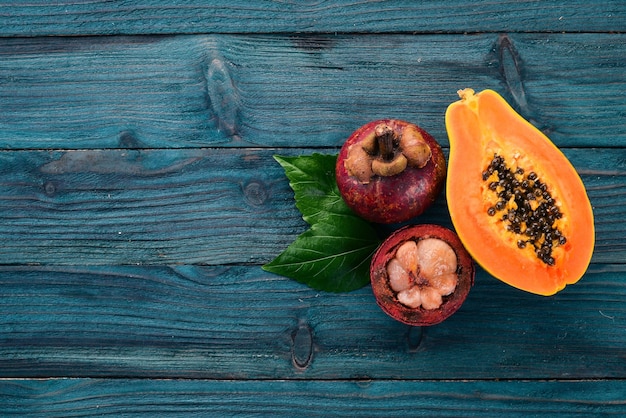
<point x="68" y="17"/>
<point x="127" y="397"/>
<point x="297" y="90"/>
<point x="206" y="206"/>
<point x="238" y="322"/>
<point x="138" y="198"/>
<point x="198" y="206"/>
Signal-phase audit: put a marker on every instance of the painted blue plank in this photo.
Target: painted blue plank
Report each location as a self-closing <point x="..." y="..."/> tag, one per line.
<point x="127" y="397"/>
<point x="20" y="18"/>
<point x="297" y="91"/>
<point x="238" y="322"/>
<point x="85" y="207"/>
<point x="98" y="236"/>
<point x="200" y="205"/>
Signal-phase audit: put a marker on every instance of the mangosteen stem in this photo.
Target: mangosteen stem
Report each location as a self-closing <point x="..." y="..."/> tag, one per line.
<point x="385" y="138"/>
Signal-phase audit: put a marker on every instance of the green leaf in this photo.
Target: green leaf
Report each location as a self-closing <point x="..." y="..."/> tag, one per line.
<point x="328" y="256"/>
<point x="334" y="254"/>
<point x="312" y="178"/>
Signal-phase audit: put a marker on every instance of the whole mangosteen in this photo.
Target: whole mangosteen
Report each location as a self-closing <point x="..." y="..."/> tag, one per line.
<point x="389" y="171"/>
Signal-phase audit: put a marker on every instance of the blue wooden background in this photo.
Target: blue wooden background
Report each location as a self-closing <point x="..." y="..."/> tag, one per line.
<point x="139" y="198"/>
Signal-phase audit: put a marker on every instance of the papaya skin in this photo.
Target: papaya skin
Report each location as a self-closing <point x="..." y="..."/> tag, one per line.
<point x="481" y="126"/>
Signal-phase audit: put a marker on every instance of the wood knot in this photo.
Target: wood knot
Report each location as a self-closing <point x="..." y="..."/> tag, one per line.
<point x="255" y="193"/>
<point x="511" y="70"/>
<point x="129" y="140"/>
<point x="224" y="98"/>
<point x="302" y="346"/>
<point x="50" y="188"/>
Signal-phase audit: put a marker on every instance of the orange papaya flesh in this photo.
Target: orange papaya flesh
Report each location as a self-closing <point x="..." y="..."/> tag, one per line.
<point x="516" y="202"/>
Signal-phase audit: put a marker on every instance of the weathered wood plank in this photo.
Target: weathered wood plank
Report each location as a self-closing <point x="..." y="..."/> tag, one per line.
<point x="207" y="206"/>
<point x="127" y="397"/>
<point x="238" y="16"/>
<point x="149" y="206"/>
<point x="239" y="322"/>
<point x="137" y="265"/>
<point x="222" y="90"/>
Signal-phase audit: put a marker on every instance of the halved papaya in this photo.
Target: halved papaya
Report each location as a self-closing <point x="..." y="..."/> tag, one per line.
<point x="516" y="202"/>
